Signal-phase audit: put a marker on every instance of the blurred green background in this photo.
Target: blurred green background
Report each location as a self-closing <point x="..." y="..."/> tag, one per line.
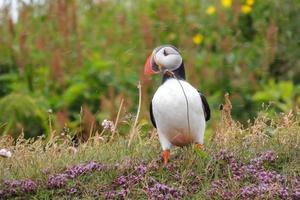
<point x="74" y="60"/>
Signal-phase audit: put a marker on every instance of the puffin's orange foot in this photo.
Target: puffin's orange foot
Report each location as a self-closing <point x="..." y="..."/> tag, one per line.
<point x="199" y="146"/>
<point x="166" y="156"/>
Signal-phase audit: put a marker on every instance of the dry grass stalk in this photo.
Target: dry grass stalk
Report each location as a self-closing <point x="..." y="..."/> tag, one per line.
<point x="265" y="133"/>
<point x="50" y="123"/>
<point x="134" y="129"/>
<point x="226" y="112"/>
<point x="228" y="130"/>
<point x="117" y="119"/>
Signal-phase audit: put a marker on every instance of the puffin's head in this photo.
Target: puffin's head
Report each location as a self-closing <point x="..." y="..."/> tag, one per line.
<point x="166" y="57"/>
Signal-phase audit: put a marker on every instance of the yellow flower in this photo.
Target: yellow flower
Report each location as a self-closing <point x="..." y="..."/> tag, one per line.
<point x="198" y="39"/>
<point x="246" y="9"/>
<point x="250" y="2"/>
<point x="226" y="3"/>
<point x="210" y="10"/>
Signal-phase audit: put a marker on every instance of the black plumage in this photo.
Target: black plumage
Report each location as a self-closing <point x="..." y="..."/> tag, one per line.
<point x="205" y="105"/>
<point x="151" y="115"/>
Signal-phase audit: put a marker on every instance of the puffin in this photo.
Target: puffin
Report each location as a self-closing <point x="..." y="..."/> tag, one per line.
<point x="177" y="110"/>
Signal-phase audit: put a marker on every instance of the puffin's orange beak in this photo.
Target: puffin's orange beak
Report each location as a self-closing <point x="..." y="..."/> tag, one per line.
<point x="148" y="66"/>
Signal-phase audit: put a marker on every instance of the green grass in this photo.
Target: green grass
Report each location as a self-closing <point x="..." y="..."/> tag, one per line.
<point x="38" y="159"/>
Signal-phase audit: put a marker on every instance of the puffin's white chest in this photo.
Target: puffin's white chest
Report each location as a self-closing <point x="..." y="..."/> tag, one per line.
<point x="170" y="112"/>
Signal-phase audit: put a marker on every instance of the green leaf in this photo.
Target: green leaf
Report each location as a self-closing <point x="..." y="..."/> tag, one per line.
<point x="202" y="154"/>
<point x="74" y="92"/>
<point x="286" y="89"/>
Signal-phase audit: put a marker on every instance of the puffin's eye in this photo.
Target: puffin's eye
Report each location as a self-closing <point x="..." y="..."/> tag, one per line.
<point x="165" y="53"/>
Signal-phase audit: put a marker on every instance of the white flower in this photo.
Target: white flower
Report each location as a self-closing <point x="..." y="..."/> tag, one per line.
<point x="5" y="153"/>
<point x="106" y="124"/>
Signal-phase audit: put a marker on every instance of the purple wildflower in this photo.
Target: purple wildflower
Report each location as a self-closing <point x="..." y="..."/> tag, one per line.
<point x="60" y="180"/>
<point x="162" y="191"/>
<point x="57" y="180"/>
<point x="14" y="187"/>
<point x="79" y="169"/>
<point x="267" y="176"/>
<point x="283" y="193"/>
<point x="141" y="169"/>
<point x="12" y="183"/>
<point x="249" y="191"/>
<point x="121" y="180"/>
<point x="117" y="194"/>
<point x="219" y="190"/>
<point x="72" y="190"/>
<point x="296" y="192"/>
<point x="263" y="184"/>
<point x="29" y="186"/>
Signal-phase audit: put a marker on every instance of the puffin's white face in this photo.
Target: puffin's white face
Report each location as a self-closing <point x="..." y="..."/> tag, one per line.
<point x="167" y="58"/>
<point x="163" y="58"/>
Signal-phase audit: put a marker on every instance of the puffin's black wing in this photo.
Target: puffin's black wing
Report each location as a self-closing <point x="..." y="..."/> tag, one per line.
<point x="151" y="115"/>
<point x="205" y="107"/>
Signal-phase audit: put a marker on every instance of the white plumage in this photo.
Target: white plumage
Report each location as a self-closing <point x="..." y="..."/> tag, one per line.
<point x="170" y="113"/>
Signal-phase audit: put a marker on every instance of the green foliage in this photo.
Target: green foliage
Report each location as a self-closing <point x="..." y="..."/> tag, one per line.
<point x="282" y="95"/>
<point x="6" y="81"/>
<point x="86" y="85"/>
<point x="19" y="113"/>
